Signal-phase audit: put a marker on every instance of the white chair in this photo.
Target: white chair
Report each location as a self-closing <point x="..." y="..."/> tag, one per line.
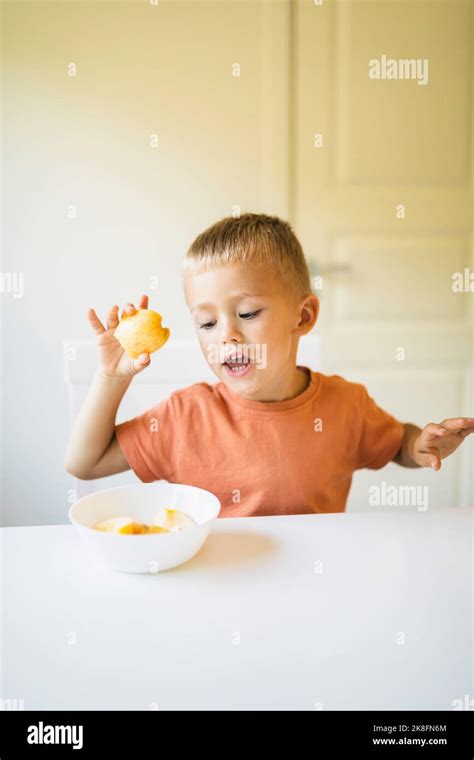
<point x="179" y="364"/>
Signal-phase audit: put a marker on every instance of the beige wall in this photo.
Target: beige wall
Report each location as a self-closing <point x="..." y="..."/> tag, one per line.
<point x="84" y="141"/>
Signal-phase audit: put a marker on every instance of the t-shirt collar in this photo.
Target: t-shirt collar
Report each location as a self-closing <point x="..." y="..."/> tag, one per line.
<point x="273" y="406"/>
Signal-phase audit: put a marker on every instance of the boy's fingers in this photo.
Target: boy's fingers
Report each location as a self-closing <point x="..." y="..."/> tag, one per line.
<point x="144" y="302"/>
<point x="95" y="322"/>
<point x="112" y="318"/>
<point x="128" y="308"/>
<point x="434" y="431"/>
<point x="429" y="458"/>
<point x="455" y="424"/>
<point x="141" y="362"/>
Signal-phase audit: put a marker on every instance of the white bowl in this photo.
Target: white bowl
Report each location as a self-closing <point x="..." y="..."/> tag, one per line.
<point x="146" y="553"/>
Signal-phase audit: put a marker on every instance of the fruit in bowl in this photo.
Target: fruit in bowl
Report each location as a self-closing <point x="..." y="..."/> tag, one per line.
<point x="127" y="526"/>
<point x="165" y="521"/>
<point x="141" y="332"/>
<point x="132" y="528"/>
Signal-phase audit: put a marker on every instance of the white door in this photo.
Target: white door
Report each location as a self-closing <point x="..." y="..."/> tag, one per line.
<point x="381" y="199"/>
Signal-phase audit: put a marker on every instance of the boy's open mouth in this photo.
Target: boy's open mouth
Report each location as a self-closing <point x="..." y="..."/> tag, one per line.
<point x="238" y="366"/>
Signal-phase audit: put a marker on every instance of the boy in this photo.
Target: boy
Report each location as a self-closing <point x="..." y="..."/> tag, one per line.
<point x="271" y="437"/>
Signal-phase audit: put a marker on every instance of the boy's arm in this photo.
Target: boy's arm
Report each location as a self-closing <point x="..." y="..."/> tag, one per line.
<point x="93" y="450"/>
<point x="427" y="447"/>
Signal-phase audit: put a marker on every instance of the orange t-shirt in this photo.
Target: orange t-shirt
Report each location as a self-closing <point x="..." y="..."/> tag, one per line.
<point x="263" y="457"/>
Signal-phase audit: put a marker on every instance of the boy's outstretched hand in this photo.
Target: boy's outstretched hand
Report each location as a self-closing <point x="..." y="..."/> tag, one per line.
<point x="438" y="441"/>
<point x="113" y="361"/>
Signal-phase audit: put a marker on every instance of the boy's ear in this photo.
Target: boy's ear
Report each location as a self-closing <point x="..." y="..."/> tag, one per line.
<point x="309" y="312"/>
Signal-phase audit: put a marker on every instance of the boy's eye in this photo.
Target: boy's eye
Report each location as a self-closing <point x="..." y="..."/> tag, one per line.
<point x="250" y="314"/>
<point x="247" y="315"/>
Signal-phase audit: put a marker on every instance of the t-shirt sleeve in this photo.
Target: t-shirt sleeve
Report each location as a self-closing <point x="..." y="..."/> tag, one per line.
<point x="148" y="442"/>
<point x="381" y="435"/>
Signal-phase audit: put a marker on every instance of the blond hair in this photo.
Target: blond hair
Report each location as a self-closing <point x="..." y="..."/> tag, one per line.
<point x="255" y="240"/>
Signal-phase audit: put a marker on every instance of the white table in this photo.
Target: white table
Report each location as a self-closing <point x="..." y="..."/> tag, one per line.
<point x="252" y="622"/>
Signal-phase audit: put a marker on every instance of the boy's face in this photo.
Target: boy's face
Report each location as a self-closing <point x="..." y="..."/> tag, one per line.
<point x="243" y="314"/>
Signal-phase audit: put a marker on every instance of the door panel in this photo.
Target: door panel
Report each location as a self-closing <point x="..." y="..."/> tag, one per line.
<point x="382" y="201"/>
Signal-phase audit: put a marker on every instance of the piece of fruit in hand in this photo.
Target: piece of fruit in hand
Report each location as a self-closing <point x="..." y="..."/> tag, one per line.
<point x="141" y="332"/>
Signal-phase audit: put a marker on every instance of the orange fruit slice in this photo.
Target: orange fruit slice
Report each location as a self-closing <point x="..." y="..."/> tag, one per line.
<point x="141" y="332"/>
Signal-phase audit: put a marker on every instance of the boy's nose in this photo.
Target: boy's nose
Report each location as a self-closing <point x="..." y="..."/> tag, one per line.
<point x="230" y="332"/>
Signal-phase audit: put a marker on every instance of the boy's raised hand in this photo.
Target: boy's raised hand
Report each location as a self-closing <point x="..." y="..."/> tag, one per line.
<point x="114" y="362"/>
<point x="436" y="442"/>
